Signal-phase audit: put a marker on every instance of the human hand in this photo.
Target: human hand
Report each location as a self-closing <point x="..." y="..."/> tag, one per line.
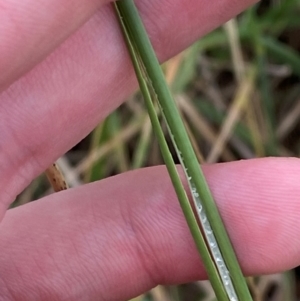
<point x="117" y="238"/>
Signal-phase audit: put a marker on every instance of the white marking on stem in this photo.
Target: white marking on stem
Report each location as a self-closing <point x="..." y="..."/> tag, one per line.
<point x="210" y="237"/>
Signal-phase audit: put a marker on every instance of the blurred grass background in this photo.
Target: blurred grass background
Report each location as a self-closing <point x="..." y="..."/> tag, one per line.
<point x="238" y="90"/>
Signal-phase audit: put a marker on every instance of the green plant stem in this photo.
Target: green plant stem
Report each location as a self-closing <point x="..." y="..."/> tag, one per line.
<point x="176" y="181"/>
<point x="212" y="225"/>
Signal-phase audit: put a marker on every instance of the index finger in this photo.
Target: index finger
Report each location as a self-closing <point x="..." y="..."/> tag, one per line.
<point x="117" y="238"/>
<point x="59" y="102"/>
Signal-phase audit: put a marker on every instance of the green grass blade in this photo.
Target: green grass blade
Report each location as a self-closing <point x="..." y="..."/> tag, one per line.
<point x="180" y="191"/>
<point x="283" y="53"/>
<point x="212" y="225"/>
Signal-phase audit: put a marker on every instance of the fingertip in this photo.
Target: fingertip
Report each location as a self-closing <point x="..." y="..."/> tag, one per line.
<point x="260" y="197"/>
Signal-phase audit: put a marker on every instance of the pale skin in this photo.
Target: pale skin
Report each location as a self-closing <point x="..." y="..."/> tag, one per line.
<point x="114" y="239"/>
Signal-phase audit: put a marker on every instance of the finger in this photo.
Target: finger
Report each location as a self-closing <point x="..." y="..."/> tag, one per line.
<point x="61" y="100"/>
<point x="115" y="239"/>
<point x="32" y="29"/>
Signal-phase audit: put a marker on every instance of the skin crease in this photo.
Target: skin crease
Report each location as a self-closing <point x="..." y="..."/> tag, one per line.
<point x="117" y="238"/>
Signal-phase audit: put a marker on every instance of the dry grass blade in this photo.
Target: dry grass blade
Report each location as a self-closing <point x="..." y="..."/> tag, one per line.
<point x="254" y="129"/>
<point x="172" y="67"/>
<point x="231" y="28"/>
<point x="201" y="125"/>
<point x="243" y="95"/>
<point x="159" y="293"/>
<point x="289" y="122"/>
<point x="140" y="298"/>
<point x="210" y="87"/>
<point x="71" y="177"/>
<point x="123" y="135"/>
<point x="56" y="178"/>
<point x="141" y="150"/>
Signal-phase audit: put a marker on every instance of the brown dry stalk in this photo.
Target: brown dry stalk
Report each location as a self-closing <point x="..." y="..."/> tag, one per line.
<point x="56" y="178"/>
